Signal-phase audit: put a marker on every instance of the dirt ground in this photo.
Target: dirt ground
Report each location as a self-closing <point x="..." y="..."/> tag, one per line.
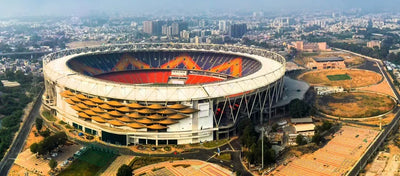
<point x="354" y="104"/>
<point x="32" y="138"/>
<point x="17" y="171"/>
<point x="335" y="158"/>
<point x="382" y="87"/>
<point x="359" y="78"/>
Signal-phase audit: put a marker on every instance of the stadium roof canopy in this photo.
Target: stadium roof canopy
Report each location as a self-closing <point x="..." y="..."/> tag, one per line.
<point x="272" y="69"/>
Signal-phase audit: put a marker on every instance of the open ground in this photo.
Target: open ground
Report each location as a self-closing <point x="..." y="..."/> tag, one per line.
<point x="335" y="158"/>
<point x="354" y="104"/>
<point x="359" y="78"/>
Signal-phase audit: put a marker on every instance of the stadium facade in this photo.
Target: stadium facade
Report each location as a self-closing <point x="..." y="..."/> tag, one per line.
<point x="161" y="93"/>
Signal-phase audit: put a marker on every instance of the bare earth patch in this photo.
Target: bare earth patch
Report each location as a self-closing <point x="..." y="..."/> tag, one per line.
<point x="359" y="78"/>
<point x="382" y="87"/>
<point x="354" y="104"/>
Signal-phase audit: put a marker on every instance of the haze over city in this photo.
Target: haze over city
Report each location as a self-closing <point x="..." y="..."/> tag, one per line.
<point x="181" y="7"/>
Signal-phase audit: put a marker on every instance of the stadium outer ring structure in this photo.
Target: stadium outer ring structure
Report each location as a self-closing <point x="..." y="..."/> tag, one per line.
<point x="250" y="96"/>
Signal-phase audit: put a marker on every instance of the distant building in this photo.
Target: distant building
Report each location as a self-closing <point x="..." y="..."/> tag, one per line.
<point x="153" y="27"/>
<point x="147" y="27"/>
<point x="7" y="83"/>
<point x="318" y="63"/>
<point x="301" y="120"/>
<point x="237" y="30"/>
<point x="374" y="43"/>
<point x="305" y="129"/>
<point x="325" y="90"/>
<point x="303" y="126"/>
<point x="309" y="47"/>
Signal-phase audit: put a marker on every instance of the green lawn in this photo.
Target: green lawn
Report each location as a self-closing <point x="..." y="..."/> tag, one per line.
<point x="224" y="156"/>
<point x="90" y="163"/>
<point x="48" y="116"/>
<point x="215" y="143"/>
<point x="338" y="77"/>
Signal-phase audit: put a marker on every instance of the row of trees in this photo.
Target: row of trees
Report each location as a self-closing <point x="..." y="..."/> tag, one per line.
<point x="49" y="143"/>
<point x="249" y="139"/>
<point x="12" y="103"/>
<point x="299" y="108"/>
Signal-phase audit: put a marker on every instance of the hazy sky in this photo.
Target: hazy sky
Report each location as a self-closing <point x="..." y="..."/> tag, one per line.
<point x="137" y="7"/>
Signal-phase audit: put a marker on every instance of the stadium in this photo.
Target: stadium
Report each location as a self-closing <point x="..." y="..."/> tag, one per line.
<point x="161" y="93"/>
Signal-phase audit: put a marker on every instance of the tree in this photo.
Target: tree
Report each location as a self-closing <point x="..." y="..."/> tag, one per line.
<point x="34" y="147"/>
<point x="125" y="170"/>
<point x="39" y="123"/>
<point x="300" y="140"/>
<point x="299" y="108"/>
<point x="317" y="138"/>
<point x="53" y="164"/>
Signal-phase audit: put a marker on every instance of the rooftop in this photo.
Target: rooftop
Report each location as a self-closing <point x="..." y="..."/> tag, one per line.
<point x="301" y="120"/>
<point x="304" y="127"/>
<point x="328" y="59"/>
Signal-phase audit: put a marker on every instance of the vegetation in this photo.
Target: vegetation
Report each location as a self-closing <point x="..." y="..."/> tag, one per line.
<point x="320" y="130"/>
<point x="45" y="133"/>
<point x="215" y="143"/>
<point x="12" y="102"/>
<point x="248" y="138"/>
<point x="49" y="143"/>
<point x="338" y="77"/>
<point x="157" y="168"/>
<point x="181" y="165"/>
<point x="34" y="148"/>
<point x="53" y="164"/>
<point x="89" y="163"/>
<point x="139" y="162"/>
<point x="354" y="104"/>
<point x="124" y="170"/>
<point x="48" y="116"/>
<point x="39" y="123"/>
<point x="225" y="156"/>
<point x="298" y="108"/>
<point x="301" y="140"/>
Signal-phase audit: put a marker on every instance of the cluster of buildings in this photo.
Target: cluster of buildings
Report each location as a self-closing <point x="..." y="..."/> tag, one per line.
<point x="309" y="47"/>
<point x="288" y="131"/>
<point x="24" y="65"/>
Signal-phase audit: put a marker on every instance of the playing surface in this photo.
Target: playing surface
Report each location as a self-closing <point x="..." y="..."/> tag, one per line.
<point x="338" y="77"/>
<point x="355" y="78"/>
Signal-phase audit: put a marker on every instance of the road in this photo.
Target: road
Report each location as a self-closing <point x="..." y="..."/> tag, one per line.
<point x="16" y="146"/>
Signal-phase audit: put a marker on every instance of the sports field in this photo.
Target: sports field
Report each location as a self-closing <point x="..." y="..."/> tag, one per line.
<point x="338" y="77"/>
<point x="90" y="163"/>
<point x="354" y="104"/>
<point x="355" y="78"/>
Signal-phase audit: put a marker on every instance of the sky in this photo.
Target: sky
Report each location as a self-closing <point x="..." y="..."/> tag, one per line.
<point x="9" y="8"/>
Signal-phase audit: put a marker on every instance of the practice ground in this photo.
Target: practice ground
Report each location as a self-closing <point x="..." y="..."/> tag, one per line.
<point x="90" y="163"/>
<point x="359" y="78"/>
<point x="183" y="167"/>
<point x="335" y="158"/>
<point x="354" y="104"/>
